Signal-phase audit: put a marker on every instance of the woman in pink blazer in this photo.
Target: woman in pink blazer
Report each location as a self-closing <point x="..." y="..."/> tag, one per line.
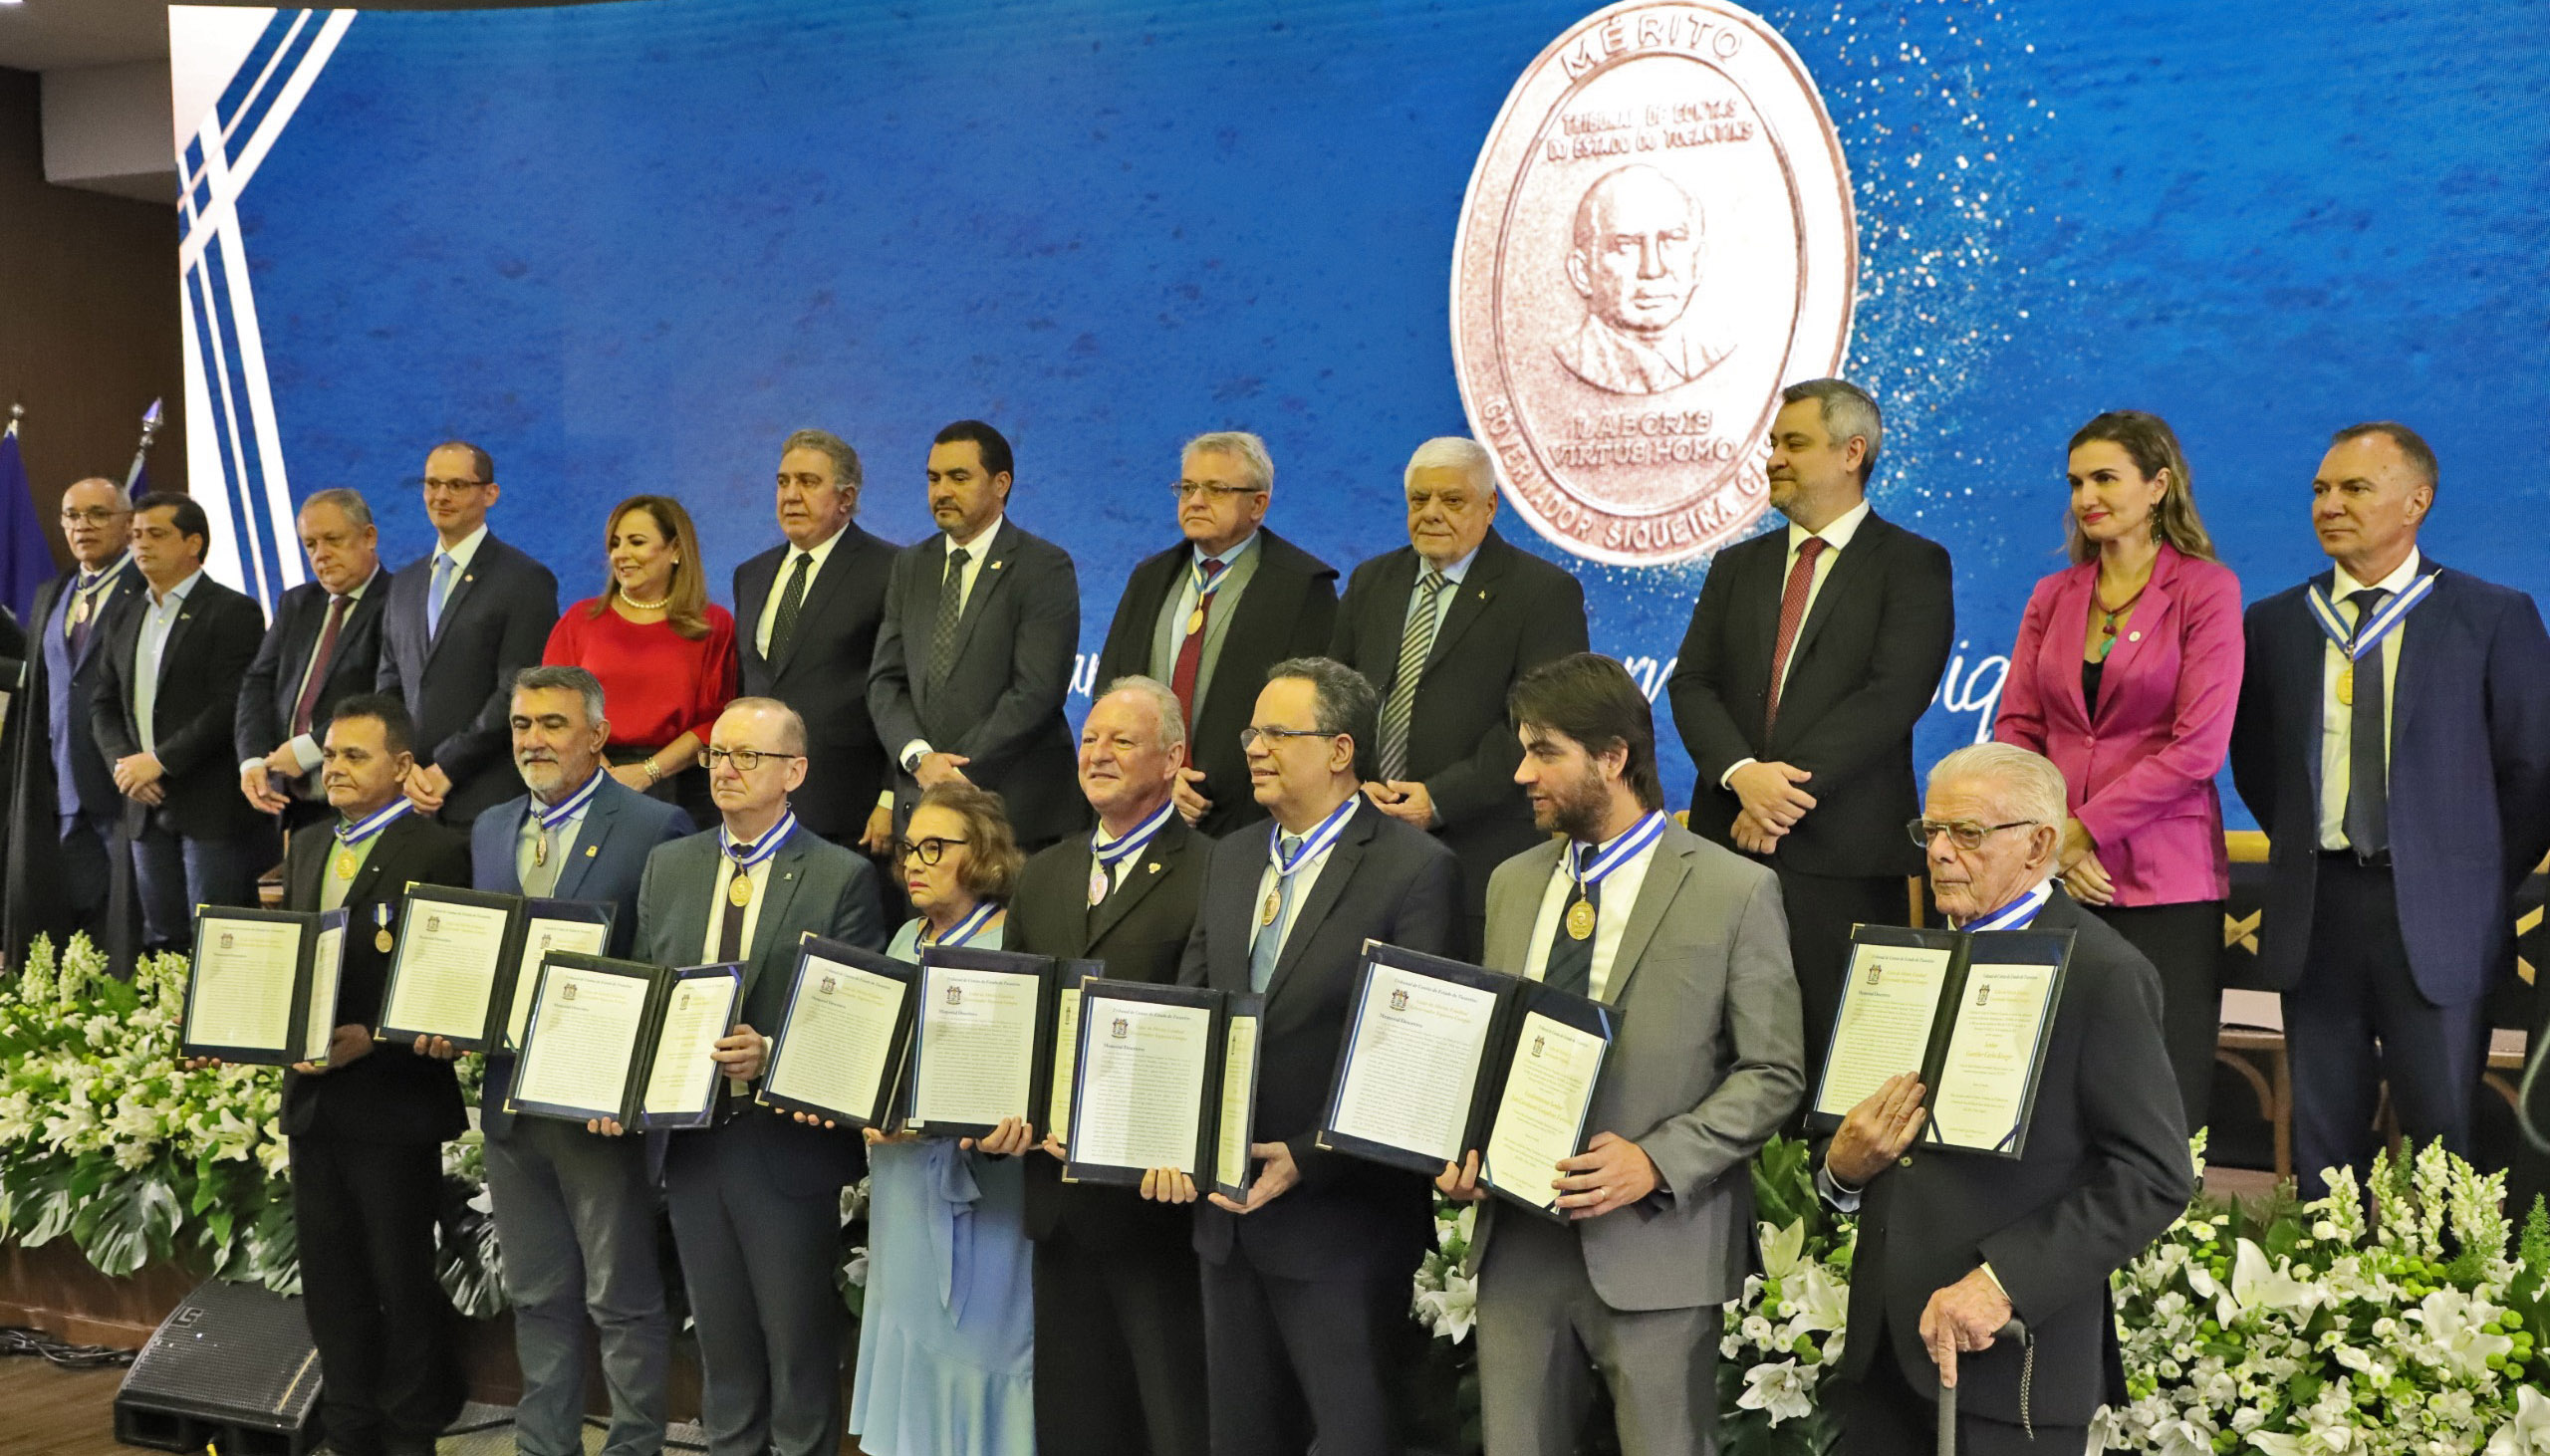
<point x="2125" y="673"/>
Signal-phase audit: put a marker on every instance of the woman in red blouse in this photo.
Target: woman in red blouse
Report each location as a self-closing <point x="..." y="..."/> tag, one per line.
<point x="665" y="655"/>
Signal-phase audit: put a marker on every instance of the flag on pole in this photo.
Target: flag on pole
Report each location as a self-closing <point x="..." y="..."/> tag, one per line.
<point x="136" y="481"/>
<point x="26" y="562"/>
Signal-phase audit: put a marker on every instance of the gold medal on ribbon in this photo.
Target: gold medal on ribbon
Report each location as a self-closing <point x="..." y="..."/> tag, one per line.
<point x="344" y="867"/>
<point x="381" y="940"/>
<point x="1274" y="908"/>
<point x="540" y="848"/>
<point x="1580" y="919"/>
<point x="2346" y="687"/>
<point x="79" y="611"/>
<point x="1097" y="882"/>
<point x="1196" y="621"/>
<point x="739" y="890"/>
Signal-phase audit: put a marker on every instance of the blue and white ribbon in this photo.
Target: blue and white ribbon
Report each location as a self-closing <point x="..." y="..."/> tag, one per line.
<point x="2361" y="638"/>
<point x="2018" y="914"/>
<point x="964" y="931"/>
<point x="573" y="805"/>
<point x="1135" y="838"/>
<point x="747" y="855"/>
<point x="1313" y="843"/>
<point x="1625" y="848"/>
<point x="351" y="835"/>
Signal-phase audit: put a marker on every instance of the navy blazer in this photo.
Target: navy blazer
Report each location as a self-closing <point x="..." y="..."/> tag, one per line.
<point x="459" y="683"/>
<point x="823" y="674"/>
<point x="52" y="732"/>
<point x="210" y="644"/>
<point x="2470" y="774"/>
<point x="622" y="827"/>
<point x="1384" y="880"/>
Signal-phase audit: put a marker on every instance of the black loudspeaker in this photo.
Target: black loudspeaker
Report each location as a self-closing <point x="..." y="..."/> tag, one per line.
<point x="232" y="1364"/>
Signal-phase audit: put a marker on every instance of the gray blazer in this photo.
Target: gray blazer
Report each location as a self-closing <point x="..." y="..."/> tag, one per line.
<point x="1708" y="1064"/>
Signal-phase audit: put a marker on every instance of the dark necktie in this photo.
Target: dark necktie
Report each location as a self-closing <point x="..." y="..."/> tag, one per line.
<point x="2367" y="810"/>
<point x="951" y="606"/>
<point x="783" y="625"/>
<point x="81" y="622"/>
<point x="730" y="929"/>
<point x="1191" y="649"/>
<point x="1793" y="597"/>
<point x="1571" y="964"/>
<point x="305" y="707"/>
<point x="1416" y="644"/>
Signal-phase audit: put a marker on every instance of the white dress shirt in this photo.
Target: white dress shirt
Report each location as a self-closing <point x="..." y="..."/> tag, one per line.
<point x="158" y="618"/>
<point x="760" y="877"/>
<point x="1837" y="534"/>
<point x="820" y="553"/>
<point x="304" y="746"/>
<point x="975" y="549"/>
<point x="1617" y="894"/>
<point x="2336" y="719"/>
<point x="1303" y="880"/>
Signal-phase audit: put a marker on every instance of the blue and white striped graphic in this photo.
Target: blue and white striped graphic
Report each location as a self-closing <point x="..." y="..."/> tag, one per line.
<point x="230" y="405"/>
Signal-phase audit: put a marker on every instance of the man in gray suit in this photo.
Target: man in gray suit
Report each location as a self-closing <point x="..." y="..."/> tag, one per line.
<point x="1688" y="940"/>
<point x="756" y="1197"/>
<point x="974" y="655"/>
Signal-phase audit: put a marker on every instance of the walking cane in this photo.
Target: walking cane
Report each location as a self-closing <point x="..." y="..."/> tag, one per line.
<point x="2016" y="1330"/>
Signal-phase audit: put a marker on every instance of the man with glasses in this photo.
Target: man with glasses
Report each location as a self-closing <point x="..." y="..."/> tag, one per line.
<point x="806" y="614"/>
<point x="461" y="622"/>
<point x="756" y="1197"/>
<point x="168" y="699"/>
<point x="976" y="653"/>
<point x="1462" y="615"/>
<point x="1306" y="1328"/>
<point x="576" y="1213"/>
<point x="324" y="647"/>
<point x="1217" y="609"/>
<point x="66" y="850"/>
<point x="1953" y="1245"/>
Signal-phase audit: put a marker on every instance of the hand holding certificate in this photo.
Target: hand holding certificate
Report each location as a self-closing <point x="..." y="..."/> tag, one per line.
<point x="262" y="988"/>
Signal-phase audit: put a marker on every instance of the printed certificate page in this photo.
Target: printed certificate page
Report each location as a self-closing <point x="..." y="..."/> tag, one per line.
<point x="327" y="961"/>
<point x="1413" y="1062"/>
<point x="977" y="1045"/>
<point x="682" y="1077"/>
<point x="446" y="969"/>
<point x="586" y="1038"/>
<point x="1239" y="1073"/>
<point x="1983" y="1085"/>
<point x="243" y="975"/>
<point x="1539" y="1120"/>
<point x="1058" y="1105"/>
<point x="1142" y="1102"/>
<point x="541" y="937"/>
<point x="1889" y="1000"/>
<point x="834" y="1044"/>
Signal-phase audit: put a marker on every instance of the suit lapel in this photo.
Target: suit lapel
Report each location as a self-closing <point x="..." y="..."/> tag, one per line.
<point x="590" y="837"/>
<point x="2314" y="657"/>
<point x="1848" y="567"/>
<point x="1665" y="872"/>
<point x="1157" y="860"/>
<point x="2421" y="635"/>
<point x="382" y="858"/>
<point x="2150" y="619"/>
<point x="922" y="610"/>
<point x="1333" y="877"/>
<point x="1509" y="940"/>
<point x="480" y="561"/>
<point x="819" y="591"/>
<point x="786" y="872"/>
<point x="1469" y="600"/>
<point x="986" y="582"/>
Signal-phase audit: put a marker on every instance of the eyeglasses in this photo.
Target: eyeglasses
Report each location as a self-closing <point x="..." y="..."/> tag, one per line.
<point x="95" y="515"/>
<point x="745" y="760"/>
<point x="927" y="852"/>
<point x="1966" y="833"/>
<point x="439" y="485"/>
<point x="1211" y="490"/>
<point x="1249" y="735"/>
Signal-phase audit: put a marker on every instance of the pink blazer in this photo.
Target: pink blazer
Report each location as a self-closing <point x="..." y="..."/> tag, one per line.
<point x="2141" y="772"/>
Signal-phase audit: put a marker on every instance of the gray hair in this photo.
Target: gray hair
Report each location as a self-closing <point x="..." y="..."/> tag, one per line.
<point x="792" y="725"/>
<point x="1343" y="701"/>
<point x="1847" y="412"/>
<point x="1172" y="723"/>
<point x="1454" y="452"/>
<point x="357" y="509"/>
<point x="562" y="680"/>
<point x="1240" y="446"/>
<point x="2028" y="783"/>
<point x="845" y="459"/>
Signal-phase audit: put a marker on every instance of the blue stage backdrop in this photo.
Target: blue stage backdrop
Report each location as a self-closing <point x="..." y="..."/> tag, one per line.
<point x="627" y="247"/>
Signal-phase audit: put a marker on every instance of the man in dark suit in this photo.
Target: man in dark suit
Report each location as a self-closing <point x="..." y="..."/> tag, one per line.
<point x="976" y="653"/>
<point x="1120" y="1324"/>
<point x="1705" y="1069"/>
<point x="756" y="1199"/>
<point x="461" y="622"/>
<point x="1306" y="1284"/>
<point x="1811" y="654"/>
<point x="1443" y="627"/>
<point x="324" y="646"/>
<point x="366" y="1129"/>
<point x="167" y="696"/>
<point x="1953" y="1245"/>
<point x="2393" y="741"/>
<point x="1215" y="611"/>
<point x="66" y="848"/>
<point x="576" y="1213"/>
<point x="806" y="618"/>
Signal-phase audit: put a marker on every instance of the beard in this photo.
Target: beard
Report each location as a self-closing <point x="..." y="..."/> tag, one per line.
<point x="1576" y="809"/>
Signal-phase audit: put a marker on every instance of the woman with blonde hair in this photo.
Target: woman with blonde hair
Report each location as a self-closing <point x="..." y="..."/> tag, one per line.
<point x="2126" y="674"/>
<point x="664" y="652"/>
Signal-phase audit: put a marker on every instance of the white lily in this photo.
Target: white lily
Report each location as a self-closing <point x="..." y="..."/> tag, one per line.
<point x="2528" y="1435"/>
<point x="1779" y="1388"/>
<point x="1783" y="1249"/>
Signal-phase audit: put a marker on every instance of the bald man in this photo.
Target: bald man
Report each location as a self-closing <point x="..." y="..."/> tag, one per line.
<point x="1636" y="264"/>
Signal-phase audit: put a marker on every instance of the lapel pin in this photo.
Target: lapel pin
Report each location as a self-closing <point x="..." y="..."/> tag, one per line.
<point x="996" y="566"/>
<point x="1155" y="866"/>
<point x="592" y="849"/>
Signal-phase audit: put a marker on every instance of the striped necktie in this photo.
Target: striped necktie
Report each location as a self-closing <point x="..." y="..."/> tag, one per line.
<point x="1416" y="644"/>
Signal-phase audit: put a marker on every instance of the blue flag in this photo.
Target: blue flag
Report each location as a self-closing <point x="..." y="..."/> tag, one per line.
<point x="26" y="562"/>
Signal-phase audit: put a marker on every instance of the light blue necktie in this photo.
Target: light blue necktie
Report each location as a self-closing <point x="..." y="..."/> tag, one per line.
<point x="1263" y="952"/>
<point x="437" y="593"/>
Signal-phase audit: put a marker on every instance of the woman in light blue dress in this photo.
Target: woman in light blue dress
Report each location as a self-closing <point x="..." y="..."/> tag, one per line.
<point x="946" y="1346"/>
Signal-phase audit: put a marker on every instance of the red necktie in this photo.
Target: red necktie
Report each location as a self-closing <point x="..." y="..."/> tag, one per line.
<point x="308" y="704"/>
<point x="1191" y="651"/>
<point x="1792" y="617"/>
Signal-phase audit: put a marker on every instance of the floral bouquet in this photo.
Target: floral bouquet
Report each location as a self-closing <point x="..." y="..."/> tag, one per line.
<point x="1786" y="1330"/>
